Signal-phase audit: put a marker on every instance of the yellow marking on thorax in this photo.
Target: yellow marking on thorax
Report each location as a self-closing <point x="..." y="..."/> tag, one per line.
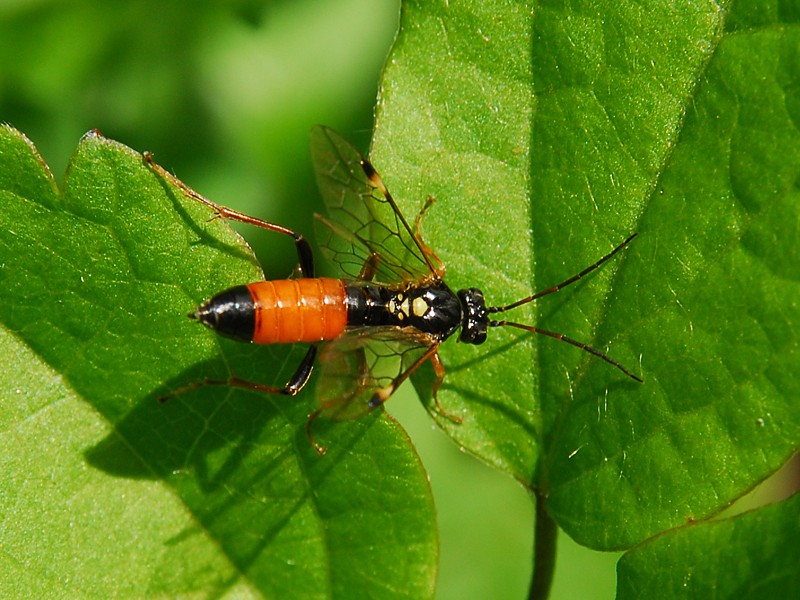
<point x="419" y="307"/>
<point x="399" y="310"/>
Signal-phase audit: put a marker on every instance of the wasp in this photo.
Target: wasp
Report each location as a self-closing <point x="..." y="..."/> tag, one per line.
<point x="378" y="325"/>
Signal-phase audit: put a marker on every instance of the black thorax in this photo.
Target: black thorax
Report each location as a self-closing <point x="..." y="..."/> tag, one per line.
<point x="432" y="309"/>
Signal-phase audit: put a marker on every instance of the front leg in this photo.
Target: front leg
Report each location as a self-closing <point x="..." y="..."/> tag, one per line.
<point x="433" y="260"/>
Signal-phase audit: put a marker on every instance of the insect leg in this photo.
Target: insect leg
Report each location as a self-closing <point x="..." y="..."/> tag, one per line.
<point x="438" y="369"/>
<point x="304" y="254"/>
<point x="375" y="181"/>
<point x="370" y="267"/>
<point x="296" y="383"/>
<point x="430" y="255"/>
<point x="302" y="373"/>
<point x="362" y="379"/>
<point x="383" y="394"/>
<point x="321" y="450"/>
<point x="418" y="221"/>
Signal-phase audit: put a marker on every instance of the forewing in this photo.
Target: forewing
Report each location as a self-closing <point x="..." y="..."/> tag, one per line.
<point x="360" y="362"/>
<point x="362" y="219"/>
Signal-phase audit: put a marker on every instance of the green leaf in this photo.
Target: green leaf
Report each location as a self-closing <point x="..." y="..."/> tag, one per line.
<point x="708" y="300"/>
<point x="454" y="123"/>
<point x="548" y="133"/>
<point x="217" y="490"/>
<point x="754" y="555"/>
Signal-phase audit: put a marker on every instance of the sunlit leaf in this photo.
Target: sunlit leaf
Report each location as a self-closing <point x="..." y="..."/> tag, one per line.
<point x="215" y="490"/>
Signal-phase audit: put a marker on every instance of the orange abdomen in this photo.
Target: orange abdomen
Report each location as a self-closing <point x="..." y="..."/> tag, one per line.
<point x="298" y="310"/>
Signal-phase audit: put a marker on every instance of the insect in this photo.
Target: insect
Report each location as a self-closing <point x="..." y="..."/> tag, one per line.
<point x="374" y="329"/>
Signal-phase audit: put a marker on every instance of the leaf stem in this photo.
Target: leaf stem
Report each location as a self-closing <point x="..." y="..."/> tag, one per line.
<point x="544" y="551"/>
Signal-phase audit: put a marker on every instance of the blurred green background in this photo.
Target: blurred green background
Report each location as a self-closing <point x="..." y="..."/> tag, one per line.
<point x="224" y="94"/>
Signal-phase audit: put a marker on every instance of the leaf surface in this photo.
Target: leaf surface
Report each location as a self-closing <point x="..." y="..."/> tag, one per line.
<point x="97" y="281"/>
<point x="547" y="134"/>
<point x="753" y="555"/>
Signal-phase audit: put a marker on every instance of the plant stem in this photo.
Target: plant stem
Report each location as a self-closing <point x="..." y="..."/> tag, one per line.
<point x="544" y="551"/>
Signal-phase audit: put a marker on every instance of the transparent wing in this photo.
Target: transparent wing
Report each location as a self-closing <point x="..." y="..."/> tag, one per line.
<point x="356" y="365"/>
<point x="364" y="225"/>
